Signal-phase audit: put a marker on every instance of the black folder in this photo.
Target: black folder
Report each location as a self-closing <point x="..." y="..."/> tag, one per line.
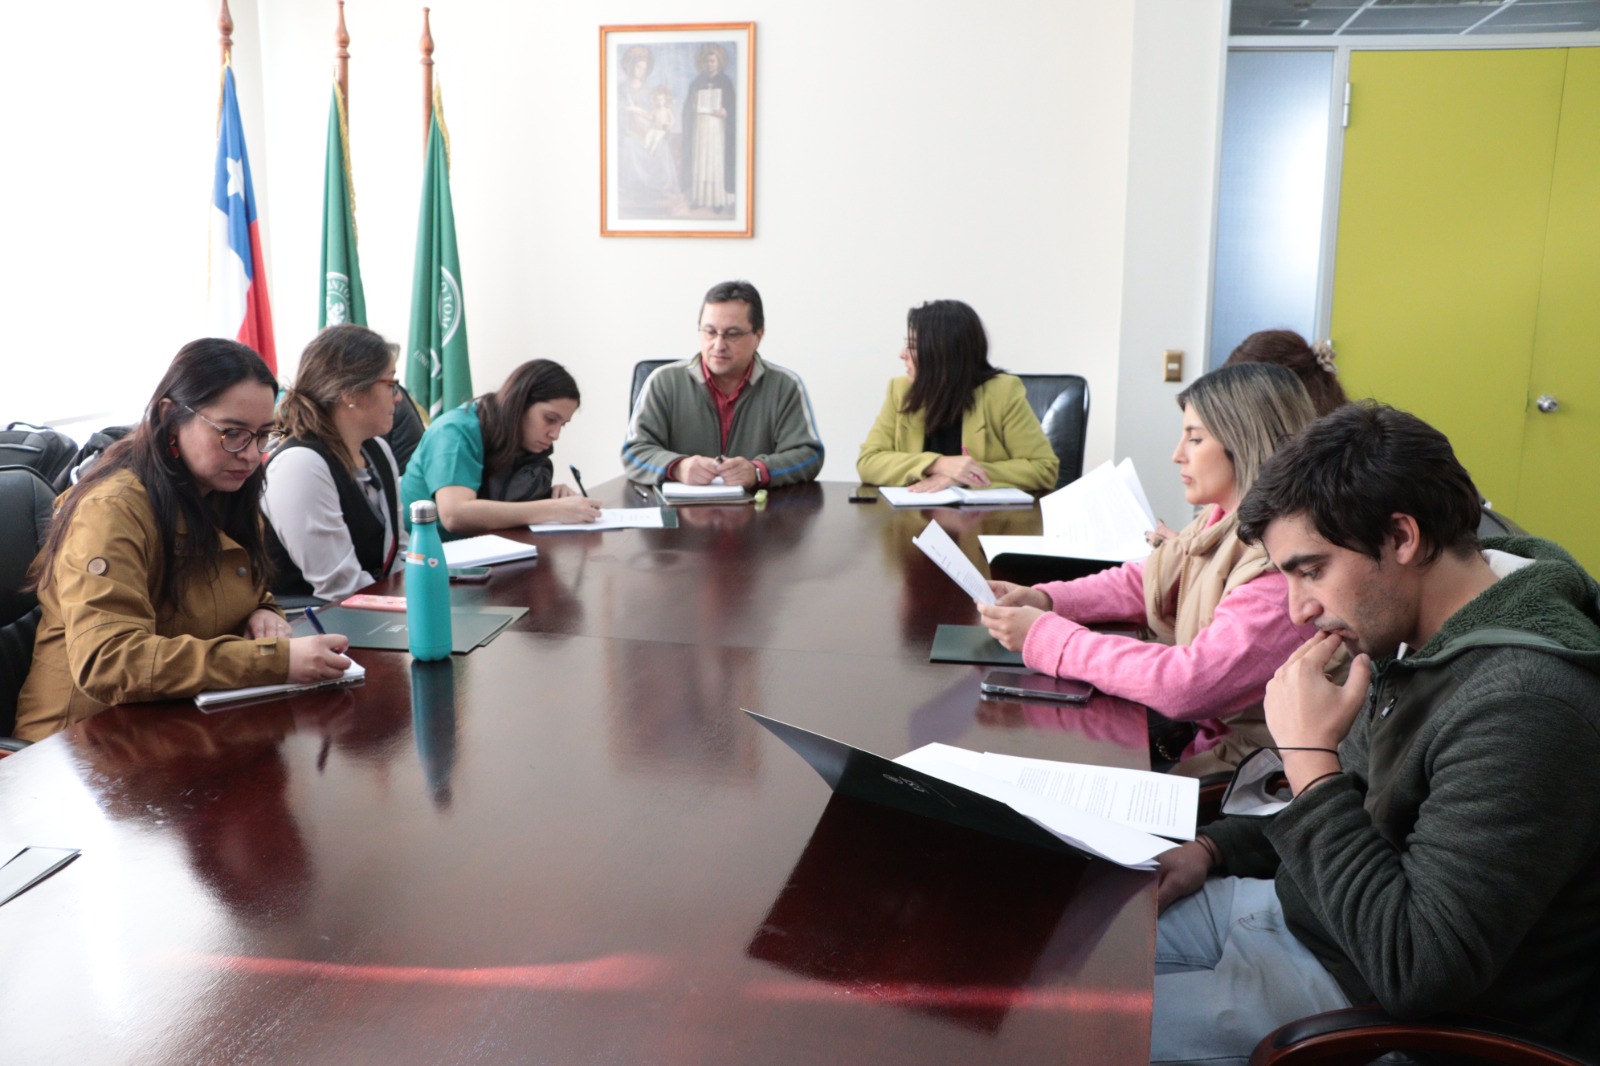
<point x="970" y="644"/>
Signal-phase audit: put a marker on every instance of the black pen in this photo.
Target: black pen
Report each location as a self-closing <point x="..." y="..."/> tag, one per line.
<point x="579" y="479"/>
<point x="316" y="623"/>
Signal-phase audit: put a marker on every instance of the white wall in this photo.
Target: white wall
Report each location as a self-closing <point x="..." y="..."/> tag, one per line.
<point x="1005" y="154"/>
<point x="1173" y="155"/>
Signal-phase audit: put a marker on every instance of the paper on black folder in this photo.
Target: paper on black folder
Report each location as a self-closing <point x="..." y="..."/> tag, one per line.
<point x="1098" y="810"/>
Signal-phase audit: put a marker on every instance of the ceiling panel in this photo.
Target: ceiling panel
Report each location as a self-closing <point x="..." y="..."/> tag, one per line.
<point x="1321" y="18"/>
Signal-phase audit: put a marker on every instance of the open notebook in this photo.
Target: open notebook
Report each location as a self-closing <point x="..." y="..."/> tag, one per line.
<point x="955" y="497"/>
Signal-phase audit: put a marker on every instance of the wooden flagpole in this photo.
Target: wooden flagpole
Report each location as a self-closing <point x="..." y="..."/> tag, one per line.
<point x="225" y="27"/>
<point x="341" y="56"/>
<point x="427" y="79"/>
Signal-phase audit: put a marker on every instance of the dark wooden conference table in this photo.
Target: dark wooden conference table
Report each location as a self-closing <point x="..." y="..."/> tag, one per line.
<point x="571" y="847"/>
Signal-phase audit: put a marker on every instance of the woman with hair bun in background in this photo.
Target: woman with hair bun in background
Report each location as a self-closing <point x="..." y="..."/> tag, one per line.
<point x="1312" y="363"/>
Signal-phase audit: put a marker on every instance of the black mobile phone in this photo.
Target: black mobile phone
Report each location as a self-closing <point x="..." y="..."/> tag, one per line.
<point x="469" y="575"/>
<point x="1017" y="685"/>
<point x="864" y="494"/>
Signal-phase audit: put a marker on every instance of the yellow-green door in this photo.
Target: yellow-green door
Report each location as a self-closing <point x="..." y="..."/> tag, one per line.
<point x="1453" y="214"/>
<point x="1560" y="485"/>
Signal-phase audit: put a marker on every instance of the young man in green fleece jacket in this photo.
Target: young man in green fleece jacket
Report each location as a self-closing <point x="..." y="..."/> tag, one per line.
<point x="727" y="413"/>
<point x="1442" y="849"/>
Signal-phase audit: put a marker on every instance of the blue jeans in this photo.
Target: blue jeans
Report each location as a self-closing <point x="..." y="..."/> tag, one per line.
<point x="1228" y="972"/>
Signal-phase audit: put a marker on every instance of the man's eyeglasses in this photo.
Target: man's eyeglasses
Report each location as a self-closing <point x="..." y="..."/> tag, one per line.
<point x="732" y="336"/>
<point x="236" y="439"/>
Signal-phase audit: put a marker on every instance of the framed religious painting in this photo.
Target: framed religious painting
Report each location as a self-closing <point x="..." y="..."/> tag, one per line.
<point x="677" y="130"/>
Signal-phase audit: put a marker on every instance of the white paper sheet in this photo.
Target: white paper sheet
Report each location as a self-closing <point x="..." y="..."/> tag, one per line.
<point x="937" y="545"/>
<point x="1092" y="833"/>
<point x="1103" y="515"/>
<point x="610" y="518"/>
<point x="487" y="549"/>
<point x="1161" y="804"/>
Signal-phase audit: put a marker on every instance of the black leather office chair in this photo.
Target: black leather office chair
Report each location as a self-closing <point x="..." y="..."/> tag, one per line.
<point x="26" y="503"/>
<point x="1062" y="403"/>
<point x="1494" y="524"/>
<point x="642" y="370"/>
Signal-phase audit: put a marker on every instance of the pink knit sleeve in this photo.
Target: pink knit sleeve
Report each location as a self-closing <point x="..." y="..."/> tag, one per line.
<point x="1225" y="669"/>
<point x="1113" y="595"/>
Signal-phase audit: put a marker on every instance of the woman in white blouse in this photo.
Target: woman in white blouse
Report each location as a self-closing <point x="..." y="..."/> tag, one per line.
<point x="332" y="499"/>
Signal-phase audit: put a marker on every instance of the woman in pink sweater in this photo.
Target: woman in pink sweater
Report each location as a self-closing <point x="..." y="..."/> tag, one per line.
<point x="1216" y="606"/>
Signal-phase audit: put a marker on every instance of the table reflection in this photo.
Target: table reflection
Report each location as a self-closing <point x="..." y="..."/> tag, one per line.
<point x="920" y="913"/>
<point x="433" y="723"/>
<point x="219" y="783"/>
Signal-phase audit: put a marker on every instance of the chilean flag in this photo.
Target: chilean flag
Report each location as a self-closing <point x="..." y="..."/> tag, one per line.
<point x="239" y="306"/>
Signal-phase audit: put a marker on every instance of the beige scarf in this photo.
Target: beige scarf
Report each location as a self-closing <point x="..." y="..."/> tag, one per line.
<point x="1184" y="580"/>
<point x="1187" y="576"/>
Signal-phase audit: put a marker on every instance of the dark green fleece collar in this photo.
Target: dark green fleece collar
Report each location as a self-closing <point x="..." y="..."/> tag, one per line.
<point x="1554" y="599"/>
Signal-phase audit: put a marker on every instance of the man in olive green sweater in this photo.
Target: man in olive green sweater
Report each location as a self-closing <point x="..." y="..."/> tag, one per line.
<point x="1442" y="848"/>
<point x="726" y="413"/>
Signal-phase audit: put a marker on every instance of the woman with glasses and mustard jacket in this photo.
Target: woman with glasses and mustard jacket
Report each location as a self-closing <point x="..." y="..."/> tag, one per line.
<point x="153" y="580"/>
<point x="332" y="500"/>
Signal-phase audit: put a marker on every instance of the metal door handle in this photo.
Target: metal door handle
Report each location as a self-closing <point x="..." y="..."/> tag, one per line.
<point x="1548" y="404"/>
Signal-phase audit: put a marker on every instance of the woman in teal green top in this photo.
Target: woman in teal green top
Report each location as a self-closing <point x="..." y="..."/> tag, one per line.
<point x="487" y="463"/>
<point x="955" y="419"/>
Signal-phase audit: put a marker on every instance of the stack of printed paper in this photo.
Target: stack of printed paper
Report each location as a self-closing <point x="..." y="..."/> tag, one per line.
<point x="1103" y="515"/>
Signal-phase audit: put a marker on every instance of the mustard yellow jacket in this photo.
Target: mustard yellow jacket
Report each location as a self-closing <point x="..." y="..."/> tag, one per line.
<point x="102" y="641"/>
<point x="1000" y="431"/>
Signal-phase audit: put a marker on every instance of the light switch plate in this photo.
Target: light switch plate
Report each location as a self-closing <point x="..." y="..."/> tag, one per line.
<point x="1172" y="364"/>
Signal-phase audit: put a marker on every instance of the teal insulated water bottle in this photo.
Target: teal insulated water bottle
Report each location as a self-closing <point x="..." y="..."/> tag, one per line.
<point x="427" y="586"/>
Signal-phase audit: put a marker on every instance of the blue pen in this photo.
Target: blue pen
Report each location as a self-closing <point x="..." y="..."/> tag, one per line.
<point x="316" y="623"/>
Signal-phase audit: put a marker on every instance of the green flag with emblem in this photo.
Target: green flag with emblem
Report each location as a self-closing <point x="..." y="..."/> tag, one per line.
<point x="437" y="371"/>
<point x="342" y="298"/>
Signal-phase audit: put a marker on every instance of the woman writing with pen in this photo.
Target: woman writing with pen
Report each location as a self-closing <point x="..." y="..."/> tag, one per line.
<point x="152" y="583"/>
<point x="487" y="463"/>
<point x="954" y="419"/>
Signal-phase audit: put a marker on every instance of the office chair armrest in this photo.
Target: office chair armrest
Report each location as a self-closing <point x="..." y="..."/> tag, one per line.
<point x="1361" y="1034"/>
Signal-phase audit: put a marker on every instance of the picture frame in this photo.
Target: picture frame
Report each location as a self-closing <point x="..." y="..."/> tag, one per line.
<point x="677" y="130"/>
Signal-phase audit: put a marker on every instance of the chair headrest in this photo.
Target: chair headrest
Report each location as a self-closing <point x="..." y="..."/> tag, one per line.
<point x="26" y="504"/>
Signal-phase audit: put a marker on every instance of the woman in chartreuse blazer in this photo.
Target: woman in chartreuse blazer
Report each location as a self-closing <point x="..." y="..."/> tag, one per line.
<point x="954" y="419"/>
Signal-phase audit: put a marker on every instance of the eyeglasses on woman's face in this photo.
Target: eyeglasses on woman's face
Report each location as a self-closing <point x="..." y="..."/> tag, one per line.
<point x="394" y="386"/>
<point x="236" y="439"/>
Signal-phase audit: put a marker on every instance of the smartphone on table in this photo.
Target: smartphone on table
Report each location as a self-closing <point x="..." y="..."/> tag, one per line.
<point x="1015" y="684"/>
<point x="469" y="575"/>
<point x="864" y="494"/>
